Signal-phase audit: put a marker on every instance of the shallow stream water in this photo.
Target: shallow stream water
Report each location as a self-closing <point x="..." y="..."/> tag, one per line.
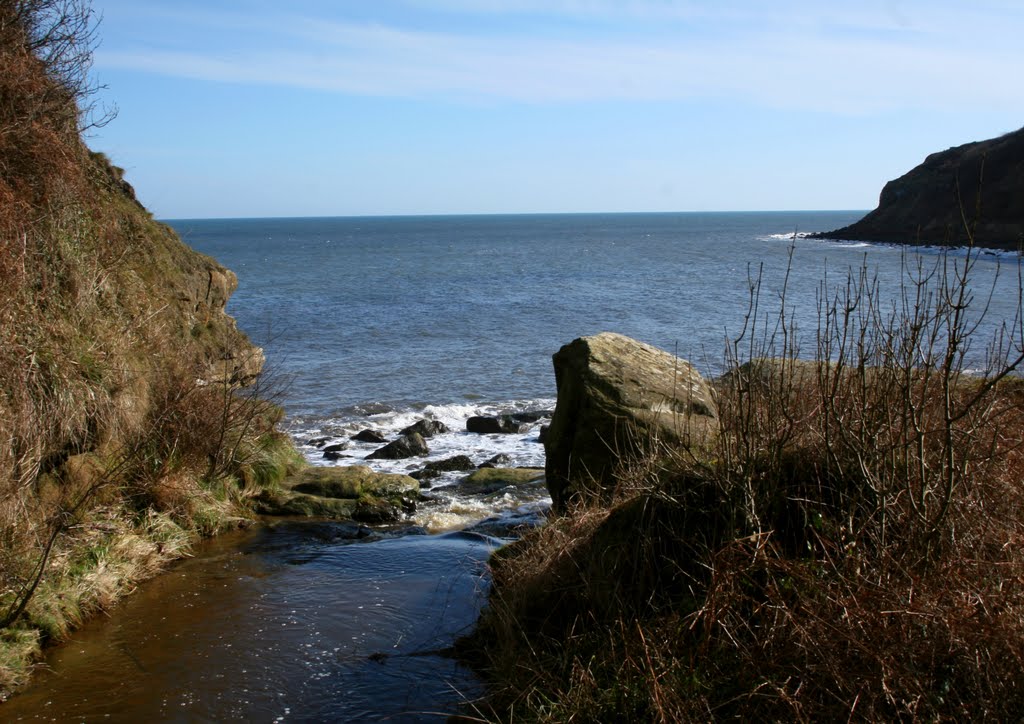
<point x="297" y="622"/>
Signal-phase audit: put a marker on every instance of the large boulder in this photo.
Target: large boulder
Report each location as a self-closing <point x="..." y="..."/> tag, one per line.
<point x="619" y="400"/>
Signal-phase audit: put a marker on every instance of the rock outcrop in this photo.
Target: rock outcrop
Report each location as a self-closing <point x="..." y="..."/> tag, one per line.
<point x="982" y="182"/>
<point x="619" y="400"/>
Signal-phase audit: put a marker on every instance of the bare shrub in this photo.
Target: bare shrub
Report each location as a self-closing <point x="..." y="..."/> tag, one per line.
<point x="851" y="549"/>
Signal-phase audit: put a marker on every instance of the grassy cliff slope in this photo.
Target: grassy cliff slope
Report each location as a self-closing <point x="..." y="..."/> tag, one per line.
<point x="124" y="433"/>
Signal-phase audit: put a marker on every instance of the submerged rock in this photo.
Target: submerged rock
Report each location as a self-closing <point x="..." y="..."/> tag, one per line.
<point x="407" y="446"/>
<point x="619" y="400"/>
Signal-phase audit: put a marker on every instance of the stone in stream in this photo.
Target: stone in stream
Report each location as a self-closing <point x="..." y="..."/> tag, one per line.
<point x="488" y="480"/>
<point x="407" y="446"/>
<point x="335" y="447"/>
<point x="352" y="481"/>
<point x="355" y="492"/>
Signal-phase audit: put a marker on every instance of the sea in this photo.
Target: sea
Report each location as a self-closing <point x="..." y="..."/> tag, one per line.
<point x="376" y="323"/>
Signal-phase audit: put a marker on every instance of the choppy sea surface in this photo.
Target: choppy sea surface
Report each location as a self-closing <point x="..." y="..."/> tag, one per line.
<point x="375" y="323"/>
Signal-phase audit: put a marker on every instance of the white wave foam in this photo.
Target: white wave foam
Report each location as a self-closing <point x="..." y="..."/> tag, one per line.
<point x="447" y="509"/>
<point x="788" y="236"/>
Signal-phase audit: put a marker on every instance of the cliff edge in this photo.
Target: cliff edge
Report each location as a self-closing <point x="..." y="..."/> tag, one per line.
<point x="970" y="192"/>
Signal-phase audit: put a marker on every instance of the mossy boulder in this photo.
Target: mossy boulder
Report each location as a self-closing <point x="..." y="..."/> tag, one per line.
<point x="311" y="506"/>
<point x="620" y="400"/>
<point x="488" y="480"/>
<point x="352" y="482"/>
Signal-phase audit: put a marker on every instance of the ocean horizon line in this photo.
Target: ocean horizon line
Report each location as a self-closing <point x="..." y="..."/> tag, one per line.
<point x="508" y="215"/>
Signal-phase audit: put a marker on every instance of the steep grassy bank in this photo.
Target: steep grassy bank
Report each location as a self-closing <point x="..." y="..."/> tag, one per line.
<point x="850" y="550"/>
<point x="124" y="430"/>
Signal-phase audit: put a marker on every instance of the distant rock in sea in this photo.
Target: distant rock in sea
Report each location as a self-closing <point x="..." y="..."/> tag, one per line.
<point x="983" y="180"/>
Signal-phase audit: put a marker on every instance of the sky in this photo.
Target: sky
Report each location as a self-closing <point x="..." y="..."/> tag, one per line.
<point x="232" y="108"/>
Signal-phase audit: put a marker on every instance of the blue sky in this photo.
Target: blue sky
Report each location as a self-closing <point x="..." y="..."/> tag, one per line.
<point x="317" y="108"/>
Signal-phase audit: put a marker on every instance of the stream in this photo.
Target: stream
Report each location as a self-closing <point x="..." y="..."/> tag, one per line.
<point x="294" y="621"/>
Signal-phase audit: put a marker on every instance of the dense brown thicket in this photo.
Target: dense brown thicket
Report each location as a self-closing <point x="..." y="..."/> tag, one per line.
<point x="852" y="550"/>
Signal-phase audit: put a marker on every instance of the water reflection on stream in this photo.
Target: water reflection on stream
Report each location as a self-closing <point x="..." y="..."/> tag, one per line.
<point x="297" y="622"/>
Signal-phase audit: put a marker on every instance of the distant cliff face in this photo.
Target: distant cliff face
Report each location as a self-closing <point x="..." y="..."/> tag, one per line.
<point x="970" y="191"/>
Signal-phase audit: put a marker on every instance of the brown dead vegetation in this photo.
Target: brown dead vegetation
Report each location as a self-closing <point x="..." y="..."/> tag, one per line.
<point x="852" y="550"/>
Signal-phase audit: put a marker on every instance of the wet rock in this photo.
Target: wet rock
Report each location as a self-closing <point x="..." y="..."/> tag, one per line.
<point x="426" y="428"/>
<point x="334" y="455"/>
<point x="489" y="480"/>
<point x="318" y="441"/>
<point x="369" y="436"/>
<point x="376" y="511"/>
<point x="495" y="425"/>
<point x="543" y="433"/>
<point x="311" y="506"/>
<point x="501" y="460"/>
<point x="483" y="425"/>
<point x="335" y="447"/>
<point x="407" y="446"/>
<point x="455" y="463"/>
<point x="434" y="469"/>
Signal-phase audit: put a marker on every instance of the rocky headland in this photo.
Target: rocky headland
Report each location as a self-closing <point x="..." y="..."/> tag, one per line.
<point x="972" y="193"/>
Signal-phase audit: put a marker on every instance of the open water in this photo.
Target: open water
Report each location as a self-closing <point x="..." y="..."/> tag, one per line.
<point x="376" y="323"/>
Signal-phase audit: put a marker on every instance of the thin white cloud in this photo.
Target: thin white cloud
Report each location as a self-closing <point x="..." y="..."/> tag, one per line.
<point x="791" y="60"/>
